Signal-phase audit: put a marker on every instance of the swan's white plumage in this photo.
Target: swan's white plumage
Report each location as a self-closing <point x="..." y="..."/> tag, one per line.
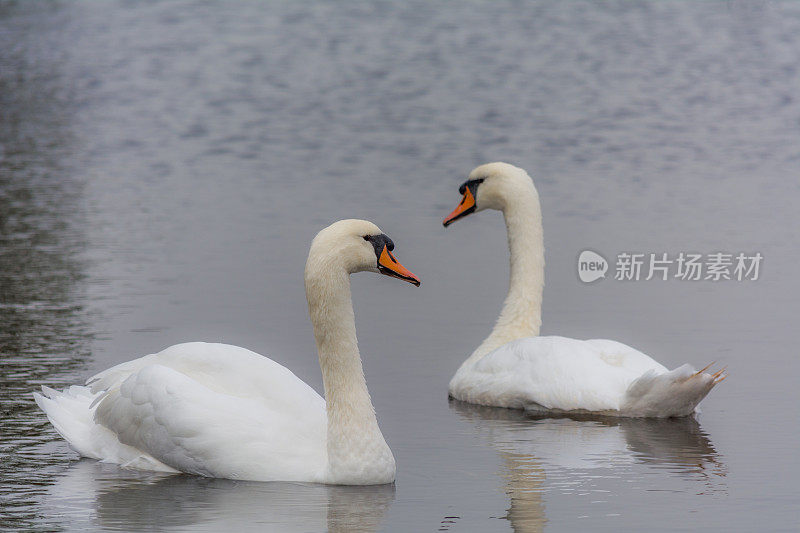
<point x="222" y="411"/>
<point x="552" y="373"/>
<point x="516" y="368"/>
<point x="210" y="409"/>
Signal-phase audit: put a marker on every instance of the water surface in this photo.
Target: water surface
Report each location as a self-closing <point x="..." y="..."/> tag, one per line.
<point x="165" y="165"/>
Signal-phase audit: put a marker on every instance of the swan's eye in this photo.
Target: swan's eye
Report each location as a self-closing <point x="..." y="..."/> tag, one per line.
<point x="472" y="184"/>
<point x="379" y="242"/>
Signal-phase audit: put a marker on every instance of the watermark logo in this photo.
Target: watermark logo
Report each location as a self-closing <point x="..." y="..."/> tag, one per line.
<point x="591" y="266"/>
<point x="686" y="266"/>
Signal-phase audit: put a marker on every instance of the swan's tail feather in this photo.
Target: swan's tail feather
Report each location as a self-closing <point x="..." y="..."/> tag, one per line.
<point x="71" y="412"/>
<point x="709" y="365"/>
<point x="71" y="415"/>
<point x="674" y="393"/>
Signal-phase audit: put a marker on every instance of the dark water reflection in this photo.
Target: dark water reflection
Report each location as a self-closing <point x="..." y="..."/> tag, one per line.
<point x="568" y="453"/>
<point x="164" y="166"/>
<point x="45" y="333"/>
<point x="92" y="495"/>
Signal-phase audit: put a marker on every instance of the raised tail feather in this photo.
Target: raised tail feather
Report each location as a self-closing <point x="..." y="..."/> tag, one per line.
<point x="674" y="393"/>
<point x="71" y="412"/>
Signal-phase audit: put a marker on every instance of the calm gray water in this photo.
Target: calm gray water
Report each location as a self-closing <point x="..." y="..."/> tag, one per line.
<point x="164" y="166"/>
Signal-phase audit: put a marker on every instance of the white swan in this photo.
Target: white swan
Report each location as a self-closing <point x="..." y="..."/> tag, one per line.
<point x="516" y="368"/>
<point x="223" y="411"/>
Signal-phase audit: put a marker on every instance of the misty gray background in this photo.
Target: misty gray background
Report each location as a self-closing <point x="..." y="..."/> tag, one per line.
<point x="165" y="165"/>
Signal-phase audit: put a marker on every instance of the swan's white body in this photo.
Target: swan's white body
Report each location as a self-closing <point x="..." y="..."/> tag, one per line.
<point x="210" y="409"/>
<point x="223" y="411"/>
<point x="515" y="367"/>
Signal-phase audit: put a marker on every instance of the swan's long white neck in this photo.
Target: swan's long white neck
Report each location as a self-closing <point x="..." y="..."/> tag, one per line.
<point x="356" y="447"/>
<point x="522" y="311"/>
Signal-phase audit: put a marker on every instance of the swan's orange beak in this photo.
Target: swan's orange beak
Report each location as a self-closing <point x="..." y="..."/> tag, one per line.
<point x="466" y="207"/>
<point x="390" y="266"/>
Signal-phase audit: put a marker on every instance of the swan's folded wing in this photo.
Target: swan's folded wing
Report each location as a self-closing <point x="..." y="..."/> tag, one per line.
<point x="549" y="372"/>
<point x="621" y="355"/>
<point x="114" y="376"/>
<point x="222" y="368"/>
<point x="185" y="424"/>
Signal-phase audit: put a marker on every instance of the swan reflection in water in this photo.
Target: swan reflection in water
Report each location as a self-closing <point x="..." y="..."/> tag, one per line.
<point x="571" y="449"/>
<point x="91" y="495"/>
